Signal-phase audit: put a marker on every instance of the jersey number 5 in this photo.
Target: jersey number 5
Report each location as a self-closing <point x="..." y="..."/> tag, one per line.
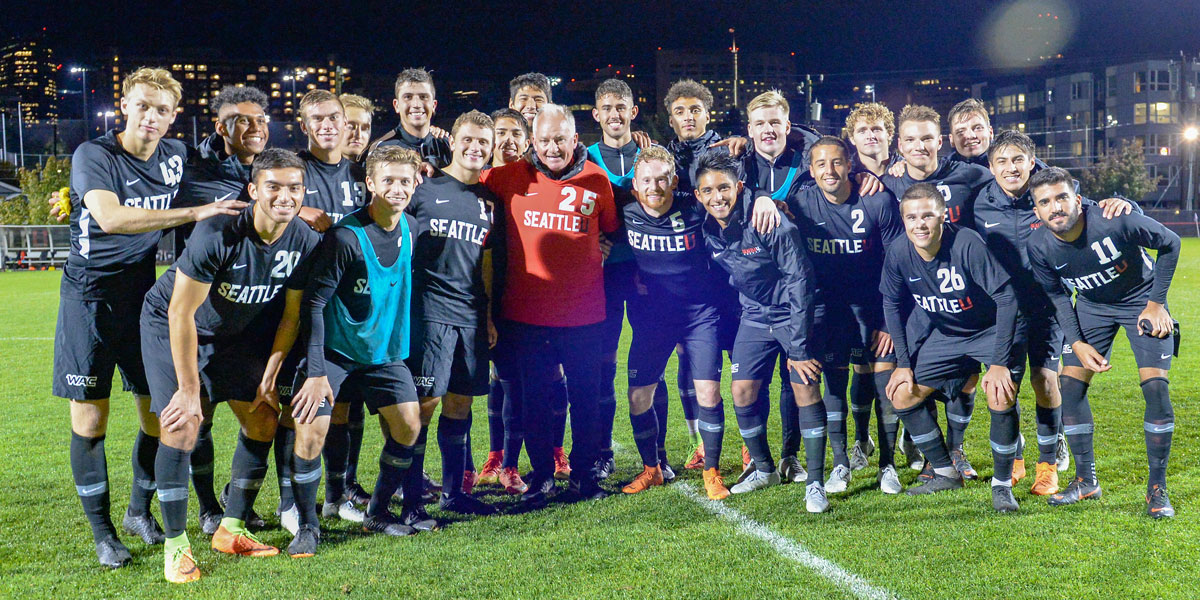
<point x="586" y="207"/>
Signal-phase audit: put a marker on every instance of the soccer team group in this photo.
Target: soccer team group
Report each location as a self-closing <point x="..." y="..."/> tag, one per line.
<point x="502" y="257"/>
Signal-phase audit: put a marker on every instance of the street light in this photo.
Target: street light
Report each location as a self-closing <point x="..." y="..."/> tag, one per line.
<point x="1190" y="134"/>
<point x="83" y="71"/>
<point x="107" y="114"/>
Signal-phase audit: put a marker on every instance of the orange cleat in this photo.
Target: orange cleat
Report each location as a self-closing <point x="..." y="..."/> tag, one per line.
<point x="490" y="473"/>
<point x="510" y="478"/>
<point x="242" y="543"/>
<point x="745" y="457"/>
<point x="562" y="466"/>
<point x="469" y="481"/>
<point x="1045" y="481"/>
<point x="697" y="461"/>
<point x="715" y="485"/>
<point x="1018" y="470"/>
<point x="181" y="566"/>
<point x="649" y="476"/>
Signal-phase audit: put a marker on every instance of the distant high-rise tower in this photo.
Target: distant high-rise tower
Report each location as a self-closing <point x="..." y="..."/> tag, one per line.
<point x="28" y="72"/>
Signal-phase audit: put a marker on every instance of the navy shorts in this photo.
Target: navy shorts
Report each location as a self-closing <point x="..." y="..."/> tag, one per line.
<point x="835" y="334"/>
<point x="229" y="369"/>
<point x="756" y="349"/>
<point x="1039" y="339"/>
<point x="618" y="290"/>
<point x="92" y="338"/>
<point x="656" y="331"/>
<point x="1099" y="323"/>
<point x="942" y="358"/>
<point x="449" y="358"/>
<point x="377" y="386"/>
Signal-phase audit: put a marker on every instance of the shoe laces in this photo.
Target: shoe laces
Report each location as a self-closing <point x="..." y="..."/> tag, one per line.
<point x="179" y="554"/>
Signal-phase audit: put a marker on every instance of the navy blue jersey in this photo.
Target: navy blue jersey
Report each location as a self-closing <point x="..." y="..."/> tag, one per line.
<point x="687" y="156"/>
<point x="336" y="189"/>
<point x="1106" y="264"/>
<point x="846" y="242"/>
<point x="771" y="272"/>
<point x="246" y="274"/>
<point x="672" y="259"/>
<point x="453" y="220"/>
<point x="959" y="183"/>
<point x="618" y="165"/>
<point x="105" y="265"/>
<point x="211" y="175"/>
<point x="340" y="269"/>
<point x="433" y="150"/>
<point x="960" y="289"/>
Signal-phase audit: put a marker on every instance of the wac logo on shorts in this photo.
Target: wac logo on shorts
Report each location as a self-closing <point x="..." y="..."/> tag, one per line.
<point x="80" y="380"/>
<point x="733" y="368"/>
<point x="424" y="381"/>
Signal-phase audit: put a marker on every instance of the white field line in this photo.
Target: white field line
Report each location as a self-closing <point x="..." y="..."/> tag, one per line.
<point x="787" y="548"/>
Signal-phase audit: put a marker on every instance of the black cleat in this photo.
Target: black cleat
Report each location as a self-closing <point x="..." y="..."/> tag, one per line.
<point x="143" y="526"/>
<point x="112" y="553"/>
<point x="939" y="483"/>
<point x="304" y="544"/>
<point x="1002" y="499"/>
<point x="210" y="521"/>
<point x="356" y="494"/>
<point x="418" y="519"/>
<point x="962" y="465"/>
<point x="431" y="486"/>
<point x="1077" y="490"/>
<point x="539" y="490"/>
<point x="466" y="504"/>
<point x="387" y="524"/>
<point x="667" y="472"/>
<point x="1158" y="505"/>
<point x="605" y="467"/>
<point x="588" y="490"/>
<point x="926" y="474"/>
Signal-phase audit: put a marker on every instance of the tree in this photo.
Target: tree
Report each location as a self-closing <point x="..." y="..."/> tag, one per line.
<point x="1120" y="174"/>
<point x="37" y="185"/>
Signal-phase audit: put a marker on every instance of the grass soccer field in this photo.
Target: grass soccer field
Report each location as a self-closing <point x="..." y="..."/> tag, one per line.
<point x="668" y="542"/>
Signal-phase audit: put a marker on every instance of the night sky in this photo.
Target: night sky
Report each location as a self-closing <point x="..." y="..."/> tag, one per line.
<point x="503" y="38"/>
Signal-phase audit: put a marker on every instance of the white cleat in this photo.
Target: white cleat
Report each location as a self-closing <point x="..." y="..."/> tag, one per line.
<point x="290" y="519"/>
<point x="756" y="481"/>
<point x="839" y="480"/>
<point x="344" y="510"/>
<point x="859" y="454"/>
<point x="815" y="500"/>
<point x="790" y="469"/>
<point x="1062" y="456"/>
<point x="889" y="482"/>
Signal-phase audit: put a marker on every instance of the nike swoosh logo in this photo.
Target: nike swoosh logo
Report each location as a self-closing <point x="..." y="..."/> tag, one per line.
<point x="241" y="266"/>
<point x="133" y="181"/>
<point x="394" y="284"/>
<point x="638" y="222"/>
<point x="716" y="255"/>
<point x="911" y="280"/>
<point x="310" y="191"/>
<point x="531" y="194"/>
<point x="821" y="223"/>
<point x="223" y="197"/>
<point x="1062" y="266"/>
<point x="1165" y="356"/>
<point x="440" y="201"/>
<point x="989" y="225"/>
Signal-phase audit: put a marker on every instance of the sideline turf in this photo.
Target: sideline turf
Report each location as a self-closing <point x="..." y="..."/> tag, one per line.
<point x="658" y="544"/>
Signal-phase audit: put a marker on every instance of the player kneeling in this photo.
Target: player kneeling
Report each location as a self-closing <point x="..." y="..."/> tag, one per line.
<point x="194" y="320"/>
<point x="972" y="308"/>
<point x="356" y="310"/>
